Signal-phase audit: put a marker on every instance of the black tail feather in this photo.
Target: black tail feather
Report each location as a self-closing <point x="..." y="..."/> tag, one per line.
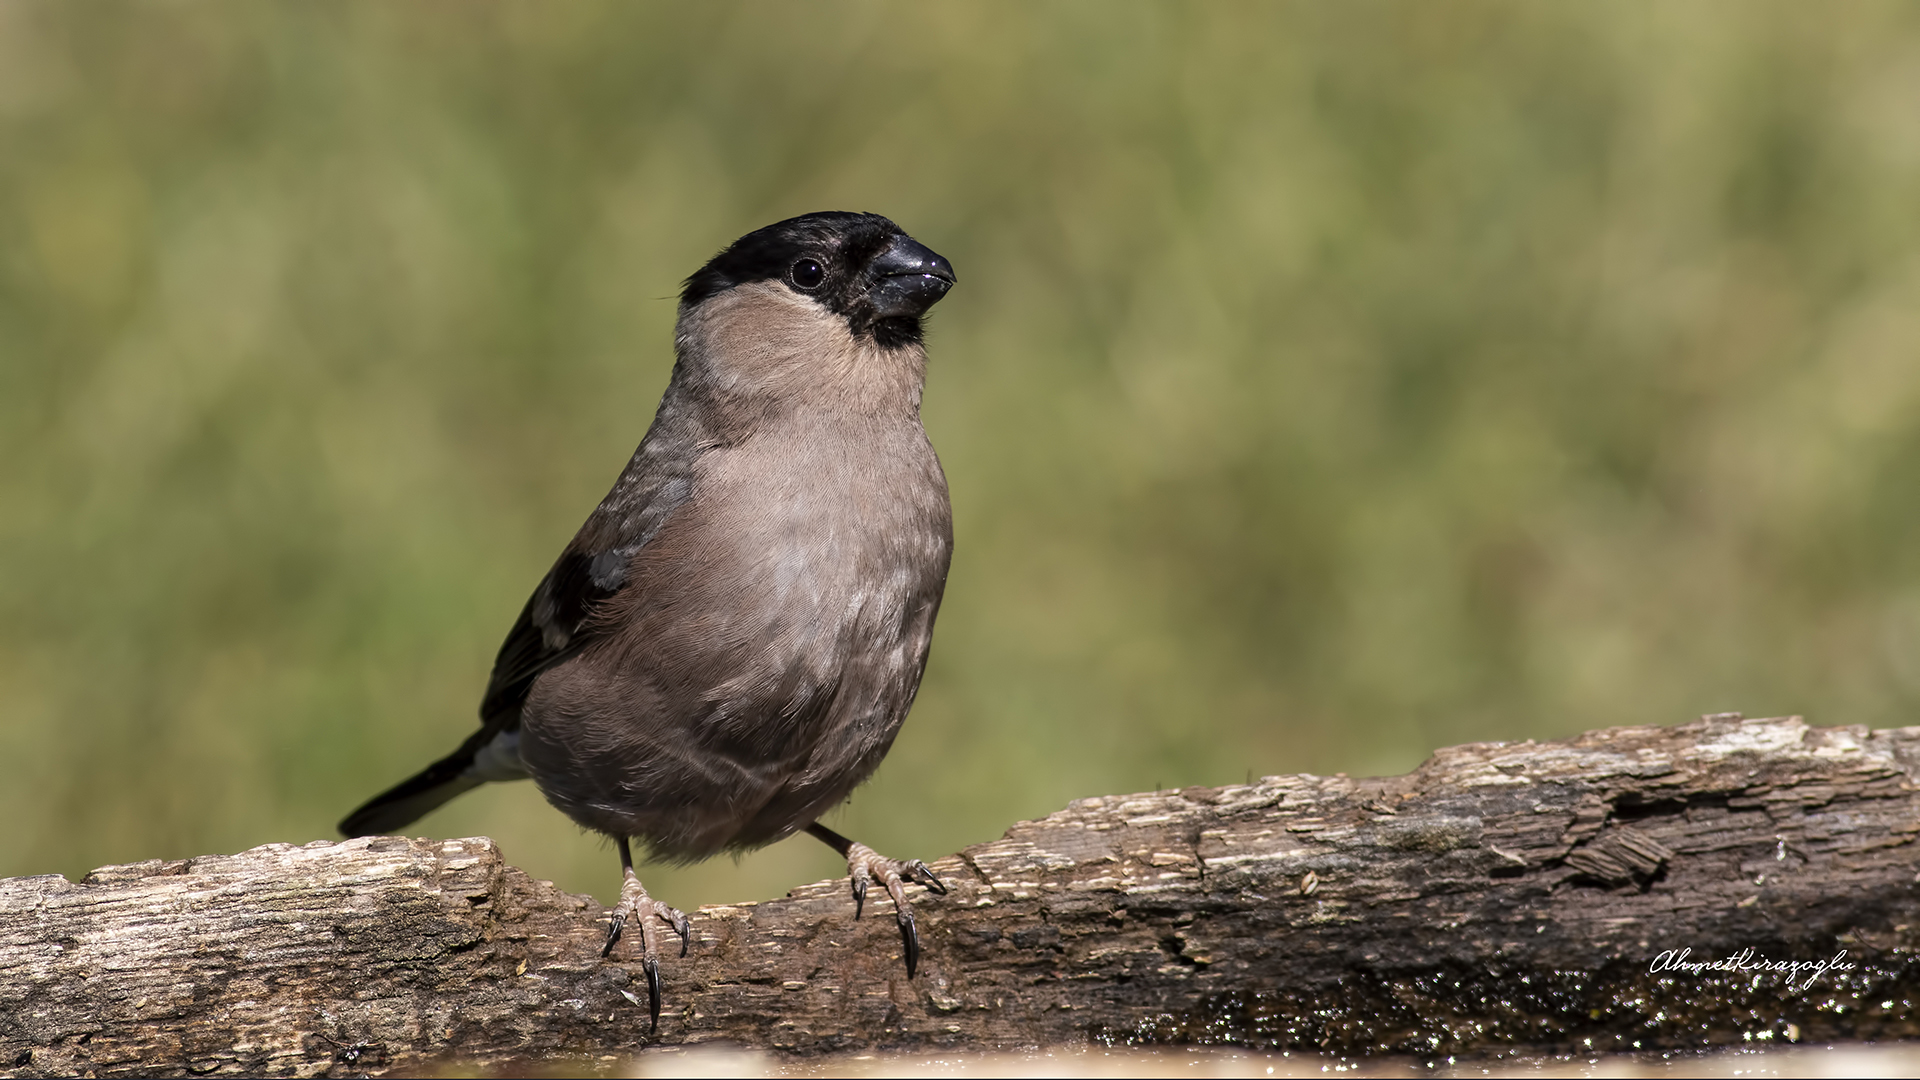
<point x="412" y="799"/>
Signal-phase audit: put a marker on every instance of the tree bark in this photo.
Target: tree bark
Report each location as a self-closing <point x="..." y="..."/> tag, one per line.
<point x="1502" y="896"/>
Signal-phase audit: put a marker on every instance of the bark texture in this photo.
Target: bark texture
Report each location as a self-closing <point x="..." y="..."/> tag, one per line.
<point x="1500" y="896"/>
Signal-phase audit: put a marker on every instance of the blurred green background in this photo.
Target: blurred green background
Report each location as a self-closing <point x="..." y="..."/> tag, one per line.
<point x="1325" y="383"/>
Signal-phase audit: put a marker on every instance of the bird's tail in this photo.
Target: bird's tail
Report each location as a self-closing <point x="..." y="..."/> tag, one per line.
<point x="477" y="761"/>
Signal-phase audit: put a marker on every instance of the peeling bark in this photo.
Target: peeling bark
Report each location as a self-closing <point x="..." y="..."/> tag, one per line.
<point x="1502" y="896"/>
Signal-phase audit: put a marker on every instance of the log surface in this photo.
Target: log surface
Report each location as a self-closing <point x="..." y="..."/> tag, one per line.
<point x="1501" y="896"/>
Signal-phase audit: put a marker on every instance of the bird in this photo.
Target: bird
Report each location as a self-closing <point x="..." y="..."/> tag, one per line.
<point x="731" y="642"/>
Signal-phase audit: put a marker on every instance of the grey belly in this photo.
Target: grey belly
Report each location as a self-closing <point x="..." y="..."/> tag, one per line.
<point x="726" y="736"/>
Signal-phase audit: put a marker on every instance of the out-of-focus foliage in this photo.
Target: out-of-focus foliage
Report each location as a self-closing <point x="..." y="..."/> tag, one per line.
<point x="1325" y="383"/>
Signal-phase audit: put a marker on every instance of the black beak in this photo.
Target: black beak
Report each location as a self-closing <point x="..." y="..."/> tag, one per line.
<point x="908" y="278"/>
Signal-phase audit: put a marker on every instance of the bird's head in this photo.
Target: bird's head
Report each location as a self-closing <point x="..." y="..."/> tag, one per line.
<point x="860" y="267"/>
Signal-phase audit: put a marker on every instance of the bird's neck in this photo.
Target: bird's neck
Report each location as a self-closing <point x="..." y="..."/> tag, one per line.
<point x="765" y="351"/>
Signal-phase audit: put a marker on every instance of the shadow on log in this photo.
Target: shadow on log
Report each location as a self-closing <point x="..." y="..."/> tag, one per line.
<point x="1502" y="896"/>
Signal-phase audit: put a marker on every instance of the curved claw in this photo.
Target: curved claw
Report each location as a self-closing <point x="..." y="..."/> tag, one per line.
<point x="923" y="874"/>
<point x="860" y="881"/>
<point x="613" y="933"/>
<point x="909" y="938"/>
<point x="684" y="927"/>
<point x="652" y="967"/>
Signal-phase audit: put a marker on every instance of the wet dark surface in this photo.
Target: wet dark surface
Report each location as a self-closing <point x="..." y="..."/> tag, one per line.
<point x="1618" y="1008"/>
<point x="1836" y="1059"/>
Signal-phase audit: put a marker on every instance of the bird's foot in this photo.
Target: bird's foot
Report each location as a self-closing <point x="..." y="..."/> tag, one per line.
<point x="866" y="866"/>
<point x="647" y="914"/>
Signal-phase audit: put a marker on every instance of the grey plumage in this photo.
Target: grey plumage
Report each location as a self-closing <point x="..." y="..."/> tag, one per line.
<point x="730" y="643"/>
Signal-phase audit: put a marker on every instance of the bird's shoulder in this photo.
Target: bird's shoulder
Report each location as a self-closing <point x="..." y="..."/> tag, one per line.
<point x="556" y="623"/>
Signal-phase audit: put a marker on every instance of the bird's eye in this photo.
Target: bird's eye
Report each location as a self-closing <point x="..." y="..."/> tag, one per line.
<point x="807" y="274"/>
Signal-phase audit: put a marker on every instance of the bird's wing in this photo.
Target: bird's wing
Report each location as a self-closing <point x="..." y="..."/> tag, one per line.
<point x="556" y="623"/>
<point x="553" y="626"/>
<point x="558" y="620"/>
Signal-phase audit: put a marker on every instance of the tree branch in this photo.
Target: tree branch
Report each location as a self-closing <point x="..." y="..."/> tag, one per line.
<point x="1500" y="896"/>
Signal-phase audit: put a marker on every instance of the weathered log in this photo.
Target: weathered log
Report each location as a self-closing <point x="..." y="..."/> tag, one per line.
<point x="1500" y="896"/>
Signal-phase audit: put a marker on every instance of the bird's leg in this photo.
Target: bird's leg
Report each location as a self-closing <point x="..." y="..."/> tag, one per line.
<point x="636" y="905"/>
<point x="864" y="865"/>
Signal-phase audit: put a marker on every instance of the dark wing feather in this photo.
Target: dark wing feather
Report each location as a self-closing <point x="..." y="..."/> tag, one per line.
<point x="556" y="622"/>
<point x="547" y="633"/>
